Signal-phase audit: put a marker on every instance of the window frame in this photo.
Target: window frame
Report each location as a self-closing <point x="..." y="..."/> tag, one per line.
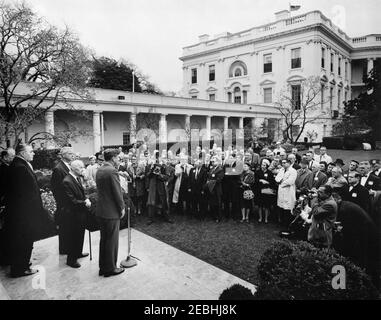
<point x="296" y="63"/>
<point x="194" y="76"/>
<point x="268" y="89"/>
<point x="268" y="65"/>
<point x="296" y="104"/>
<point x="212" y="72"/>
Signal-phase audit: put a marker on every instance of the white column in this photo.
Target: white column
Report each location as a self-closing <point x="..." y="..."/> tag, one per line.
<point x="97" y="131"/>
<point x="102" y="130"/>
<point x="208" y="127"/>
<point x="226" y="123"/>
<point x="49" y="128"/>
<point x="240" y="126"/>
<point x="188" y="125"/>
<point x="132" y="127"/>
<point x="163" y="128"/>
<point x="49" y="122"/>
<point x="370" y="64"/>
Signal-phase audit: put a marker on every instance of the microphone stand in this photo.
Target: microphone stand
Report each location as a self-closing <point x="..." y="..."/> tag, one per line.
<point x="130" y="261"/>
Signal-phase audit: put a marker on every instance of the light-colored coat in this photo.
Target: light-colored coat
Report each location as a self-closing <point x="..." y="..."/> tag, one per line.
<point x="286" y="189"/>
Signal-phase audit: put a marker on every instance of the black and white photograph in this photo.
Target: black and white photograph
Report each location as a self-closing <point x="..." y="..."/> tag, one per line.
<point x="207" y="152"/>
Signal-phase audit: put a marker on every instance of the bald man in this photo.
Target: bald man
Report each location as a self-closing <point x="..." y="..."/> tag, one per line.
<point x="75" y="206"/>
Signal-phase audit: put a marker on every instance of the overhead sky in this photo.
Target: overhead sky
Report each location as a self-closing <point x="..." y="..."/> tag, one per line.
<point x="152" y="33"/>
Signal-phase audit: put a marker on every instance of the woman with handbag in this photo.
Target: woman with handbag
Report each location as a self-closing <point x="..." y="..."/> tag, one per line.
<point x="266" y="190"/>
<point x="247" y="180"/>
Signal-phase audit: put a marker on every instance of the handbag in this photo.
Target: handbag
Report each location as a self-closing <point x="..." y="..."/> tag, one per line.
<point x="248" y="195"/>
<point x="268" y="191"/>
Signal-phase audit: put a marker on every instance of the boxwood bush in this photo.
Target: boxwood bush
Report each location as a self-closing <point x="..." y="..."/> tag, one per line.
<point x="45" y="159"/>
<point x="299" y="271"/>
<point x="236" y="292"/>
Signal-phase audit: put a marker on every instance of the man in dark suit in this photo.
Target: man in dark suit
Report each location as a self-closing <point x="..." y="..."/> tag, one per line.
<point x="25" y="211"/>
<point x="376" y="167"/>
<point x="60" y="171"/>
<point x="110" y="210"/>
<point x="357" y="193"/>
<point x="317" y="178"/>
<point x="213" y="187"/>
<point x="302" y="182"/>
<point x="369" y="180"/>
<point x="197" y="180"/>
<point x="75" y="206"/>
<point x="6" y="159"/>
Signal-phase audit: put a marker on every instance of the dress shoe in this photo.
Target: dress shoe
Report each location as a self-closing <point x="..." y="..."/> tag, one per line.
<point x="114" y="273"/>
<point x="73" y="264"/>
<point x="83" y="255"/>
<point x="101" y="273"/>
<point x="26" y="273"/>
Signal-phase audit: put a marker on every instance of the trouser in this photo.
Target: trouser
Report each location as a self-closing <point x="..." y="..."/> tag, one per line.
<point x="152" y="210"/>
<point x="21" y="252"/>
<point x="75" y="241"/>
<point x="109" y="244"/>
<point x="63" y="230"/>
<point x="4" y="246"/>
<point x="199" y="206"/>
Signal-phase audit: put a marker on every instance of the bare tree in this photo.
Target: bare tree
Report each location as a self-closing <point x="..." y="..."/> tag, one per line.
<point x="39" y="66"/>
<point x="301" y="107"/>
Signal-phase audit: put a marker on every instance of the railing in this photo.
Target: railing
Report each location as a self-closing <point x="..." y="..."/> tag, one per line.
<point x="279" y="26"/>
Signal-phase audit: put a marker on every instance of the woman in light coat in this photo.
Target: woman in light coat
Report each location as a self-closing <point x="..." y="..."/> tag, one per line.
<point x="286" y="191"/>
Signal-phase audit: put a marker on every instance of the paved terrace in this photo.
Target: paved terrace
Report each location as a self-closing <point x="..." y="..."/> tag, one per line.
<point x="164" y="273"/>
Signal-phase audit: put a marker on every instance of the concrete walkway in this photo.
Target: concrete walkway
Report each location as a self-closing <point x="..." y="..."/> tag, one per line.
<point x="164" y="273"/>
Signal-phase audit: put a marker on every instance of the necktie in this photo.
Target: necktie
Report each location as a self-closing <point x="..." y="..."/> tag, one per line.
<point x="79" y="181"/>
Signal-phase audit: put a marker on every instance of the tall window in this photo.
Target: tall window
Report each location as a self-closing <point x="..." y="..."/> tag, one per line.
<point x="267" y="63"/>
<point x="332" y="62"/>
<point x="244" y="94"/>
<point x="237" y="95"/>
<point x="126" y="138"/>
<point x="296" y="60"/>
<point x="229" y="97"/>
<point x="323" y="57"/>
<point x="296" y="99"/>
<point x="267" y="95"/>
<point x="339" y="67"/>
<point x="330" y="97"/>
<point x="194" y="75"/>
<point x="338" y="98"/>
<point x="346" y="70"/>
<point x="212" y="97"/>
<point x="212" y="72"/>
<point x="322" y="96"/>
<point x="345" y="96"/>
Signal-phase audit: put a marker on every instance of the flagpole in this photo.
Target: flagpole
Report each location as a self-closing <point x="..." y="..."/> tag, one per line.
<point x="133" y="81"/>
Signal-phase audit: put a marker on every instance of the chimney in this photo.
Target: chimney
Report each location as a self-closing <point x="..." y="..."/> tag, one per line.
<point x="284" y="14"/>
<point x="203" y="37"/>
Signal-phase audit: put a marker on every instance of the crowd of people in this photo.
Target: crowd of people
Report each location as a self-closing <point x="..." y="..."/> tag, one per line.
<point x="305" y="187"/>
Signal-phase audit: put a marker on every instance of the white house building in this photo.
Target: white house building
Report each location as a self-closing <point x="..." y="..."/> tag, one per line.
<point x="253" y="66"/>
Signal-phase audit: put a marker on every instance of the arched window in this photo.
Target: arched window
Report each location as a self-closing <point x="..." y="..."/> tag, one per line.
<point x="237" y="69"/>
<point x="238" y="72"/>
<point x="237" y="95"/>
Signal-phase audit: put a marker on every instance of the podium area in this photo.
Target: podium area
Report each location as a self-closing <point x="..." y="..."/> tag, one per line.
<point x="163" y="273"/>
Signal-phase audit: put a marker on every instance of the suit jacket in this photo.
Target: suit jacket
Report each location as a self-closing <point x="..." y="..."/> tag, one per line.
<point x="3" y="181"/>
<point x="74" y="199"/>
<point x="60" y="171"/>
<point x="197" y="184"/>
<point x="214" y="180"/>
<point x="23" y="201"/>
<point x="110" y="198"/>
<point x="316" y="183"/>
<point x="303" y="179"/>
<point x="373" y="182"/>
<point x="360" y="196"/>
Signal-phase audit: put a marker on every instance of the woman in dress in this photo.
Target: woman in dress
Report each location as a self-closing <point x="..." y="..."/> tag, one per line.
<point x="247" y="180"/>
<point x="265" y="189"/>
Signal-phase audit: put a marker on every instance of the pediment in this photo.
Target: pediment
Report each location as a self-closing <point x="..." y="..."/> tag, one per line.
<point x="296" y="78"/>
<point x="267" y="82"/>
<point x="191" y="91"/>
<point x="211" y="89"/>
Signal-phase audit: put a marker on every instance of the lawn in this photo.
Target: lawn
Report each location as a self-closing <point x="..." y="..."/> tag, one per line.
<point x="229" y="245"/>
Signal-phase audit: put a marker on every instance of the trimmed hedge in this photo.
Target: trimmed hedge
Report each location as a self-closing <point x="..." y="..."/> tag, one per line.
<point x="299" y="271"/>
<point x="45" y="159"/>
<point x="236" y="292"/>
<point x="333" y="142"/>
